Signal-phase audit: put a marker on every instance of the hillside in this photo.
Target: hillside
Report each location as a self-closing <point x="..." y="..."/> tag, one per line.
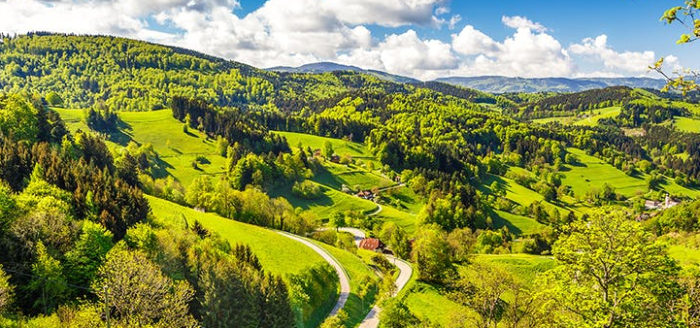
<point x="176" y="167"/>
<point x="327" y="67"/>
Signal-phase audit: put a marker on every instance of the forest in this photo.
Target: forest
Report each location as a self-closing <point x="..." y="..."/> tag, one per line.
<point x="476" y="182"/>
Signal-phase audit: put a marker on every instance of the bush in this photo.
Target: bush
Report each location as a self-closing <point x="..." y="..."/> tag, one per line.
<point x="307" y="190"/>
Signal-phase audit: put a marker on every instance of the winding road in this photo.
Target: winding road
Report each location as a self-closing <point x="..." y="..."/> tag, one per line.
<point x="405" y="273"/>
<point x="342" y="275"/>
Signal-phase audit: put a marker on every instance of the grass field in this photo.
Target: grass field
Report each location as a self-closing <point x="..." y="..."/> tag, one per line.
<point x="598" y="115"/>
<point x="592" y="172"/>
<point x="335" y="175"/>
<point x="517" y="224"/>
<point x="331" y="201"/>
<point x="277" y="254"/>
<point x="341" y="147"/>
<point x="562" y="120"/>
<point x="687" y="124"/>
<point x="177" y="149"/>
<point x="523" y="266"/>
<point x="426" y="302"/>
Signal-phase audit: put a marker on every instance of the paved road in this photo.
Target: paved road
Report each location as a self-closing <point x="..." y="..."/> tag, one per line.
<point x="357" y="233"/>
<point x="405" y="273"/>
<point x="343" y="277"/>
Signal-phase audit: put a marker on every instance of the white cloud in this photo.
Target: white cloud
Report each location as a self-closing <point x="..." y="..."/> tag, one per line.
<point x="405" y="54"/>
<point x="628" y="61"/>
<point x="471" y="41"/>
<point x="296" y="32"/>
<point x="525" y="53"/>
<point x="518" y="22"/>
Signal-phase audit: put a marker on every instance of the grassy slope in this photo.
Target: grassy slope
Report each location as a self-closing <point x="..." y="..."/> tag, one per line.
<point x="277" y="254"/>
<point x="687" y="124"/>
<point x="340" y="147"/>
<point x="588" y="121"/>
<point x="599" y="114"/>
<point x="427" y="303"/>
<point x="592" y="172"/>
<point x="176" y="148"/>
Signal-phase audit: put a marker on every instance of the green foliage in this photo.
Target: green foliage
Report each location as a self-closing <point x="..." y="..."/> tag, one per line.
<point x="18" y="118"/>
<point x="138" y="292"/>
<point x="88" y="254"/>
<point x="620" y="277"/>
<point x="307" y="190"/>
<point x="48" y="281"/>
<point x="396" y="315"/>
<point x="431" y="254"/>
<point x="7" y="292"/>
<point x="397" y="239"/>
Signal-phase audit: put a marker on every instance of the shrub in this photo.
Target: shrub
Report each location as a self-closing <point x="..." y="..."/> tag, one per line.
<point x="307" y="190"/>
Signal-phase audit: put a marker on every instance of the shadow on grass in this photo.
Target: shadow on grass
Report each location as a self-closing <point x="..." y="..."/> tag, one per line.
<point x="122" y="135"/>
<point x="499" y="222"/>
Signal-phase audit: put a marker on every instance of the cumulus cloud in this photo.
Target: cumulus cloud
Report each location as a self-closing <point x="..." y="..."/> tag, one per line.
<point x="519" y="22"/>
<point x="628" y="61"/>
<point x="296" y="32"/>
<point x="526" y="53"/>
<point x="405" y="54"/>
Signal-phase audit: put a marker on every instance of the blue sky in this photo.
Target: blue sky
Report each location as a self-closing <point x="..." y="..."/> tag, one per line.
<point x="425" y="39"/>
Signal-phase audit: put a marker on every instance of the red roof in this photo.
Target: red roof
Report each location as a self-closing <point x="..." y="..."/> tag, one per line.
<point x="371" y="244"/>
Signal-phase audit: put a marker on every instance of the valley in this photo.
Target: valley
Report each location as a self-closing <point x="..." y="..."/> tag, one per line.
<point x="331" y="198"/>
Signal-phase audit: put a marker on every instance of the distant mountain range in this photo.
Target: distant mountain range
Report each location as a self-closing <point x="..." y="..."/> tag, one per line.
<point x="501" y="84"/>
<point x="324" y="67"/>
<point x="492" y="84"/>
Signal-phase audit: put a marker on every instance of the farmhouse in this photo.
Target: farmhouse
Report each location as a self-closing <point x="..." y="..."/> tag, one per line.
<point x="372" y="244"/>
<point x="366" y="194"/>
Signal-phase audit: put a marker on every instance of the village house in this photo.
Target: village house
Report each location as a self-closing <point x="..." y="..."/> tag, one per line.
<point x="657" y="205"/>
<point x="372" y="244"/>
<point x="366" y="194"/>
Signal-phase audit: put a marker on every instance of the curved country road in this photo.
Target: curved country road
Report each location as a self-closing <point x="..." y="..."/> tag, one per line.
<point x="405" y="273"/>
<point x="342" y="275"/>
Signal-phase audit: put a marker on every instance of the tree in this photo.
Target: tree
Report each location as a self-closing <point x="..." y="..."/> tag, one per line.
<point x="611" y="274"/>
<point x="88" y="254"/>
<point x="431" y="253"/>
<point x="327" y="149"/>
<point x="47" y="281"/>
<point x="461" y="242"/>
<point x="139" y="293"/>
<point x="337" y="220"/>
<point x="397" y="315"/>
<point x="7" y="291"/>
<point x="687" y="15"/>
<point x="335" y="321"/>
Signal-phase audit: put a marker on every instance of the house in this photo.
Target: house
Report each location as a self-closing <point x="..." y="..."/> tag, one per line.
<point x="656" y="205"/>
<point x="670" y="202"/>
<point x="366" y="194"/>
<point x="652" y="205"/>
<point x="335" y="158"/>
<point x="317" y="153"/>
<point x="372" y="244"/>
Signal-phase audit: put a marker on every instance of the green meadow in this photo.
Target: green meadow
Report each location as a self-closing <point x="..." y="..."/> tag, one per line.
<point x="687" y="124"/>
<point x="176" y="149"/>
<point x="599" y="114"/>
<point x="341" y="147"/>
<point x="277" y="254"/>
<point x="591" y="172"/>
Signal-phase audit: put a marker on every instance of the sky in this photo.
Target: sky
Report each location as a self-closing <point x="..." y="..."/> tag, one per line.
<point x="423" y="39"/>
